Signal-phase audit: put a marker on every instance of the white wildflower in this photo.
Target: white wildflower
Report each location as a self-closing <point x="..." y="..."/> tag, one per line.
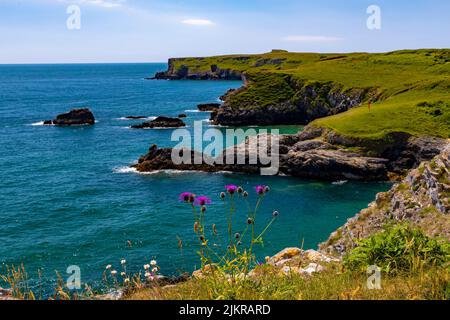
<point x="108" y="267"/>
<point x="146" y="266"/>
<point x="153" y="263"/>
<point x="122" y="262"/>
<point x="113" y="272"/>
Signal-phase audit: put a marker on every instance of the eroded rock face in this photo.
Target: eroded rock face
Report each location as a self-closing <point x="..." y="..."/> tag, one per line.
<point x="308" y="102"/>
<point x="183" y="73"/>
<point x="161" y="122"/>
<point x="422" y="198"/>
<point x="74" y="117"/>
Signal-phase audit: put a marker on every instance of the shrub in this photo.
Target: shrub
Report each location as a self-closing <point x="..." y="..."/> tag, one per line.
<point x="399" y="248"/>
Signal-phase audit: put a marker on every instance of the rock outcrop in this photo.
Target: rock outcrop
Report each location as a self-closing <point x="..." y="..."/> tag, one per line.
<point x="160" y="122"/>
<point x="304" y="262"/>
<point x="422" y="198"/>
<point x="182" y="72"/>
<point x="314" y="153"/>
<point x="208" y="106"/>
<point x="74" y="117"/>
<point x="303" y="103"/>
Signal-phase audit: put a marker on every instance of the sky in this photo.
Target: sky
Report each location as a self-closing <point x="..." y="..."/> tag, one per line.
<point x="47" y="31"/>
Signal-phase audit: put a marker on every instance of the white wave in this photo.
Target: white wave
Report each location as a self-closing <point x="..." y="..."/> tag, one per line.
<point x="40" y="123"/>
<point x="340" y="182"/>
<point x="125" y="170"/>
<point x="170" y="172"/>
<point x="194" y="110"/>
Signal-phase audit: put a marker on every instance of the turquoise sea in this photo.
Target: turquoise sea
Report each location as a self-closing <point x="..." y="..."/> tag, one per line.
<point x="67" y="197"/>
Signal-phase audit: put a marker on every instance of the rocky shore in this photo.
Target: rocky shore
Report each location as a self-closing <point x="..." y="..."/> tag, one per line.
<point x="314" y="153"/>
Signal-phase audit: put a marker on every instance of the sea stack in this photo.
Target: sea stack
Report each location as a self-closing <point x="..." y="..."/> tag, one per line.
<point x="82" y="116"/>
<point x="161" y="122"/>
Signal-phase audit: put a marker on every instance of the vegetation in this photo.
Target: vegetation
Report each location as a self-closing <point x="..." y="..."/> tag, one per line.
<point x="399" y="248"/>
<point x="408" y="89"/>
<point x="333" y="284"/>
<point x="413" y="267"/>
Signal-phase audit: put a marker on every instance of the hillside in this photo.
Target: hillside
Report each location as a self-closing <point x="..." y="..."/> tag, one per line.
<point x="408" y="90"/>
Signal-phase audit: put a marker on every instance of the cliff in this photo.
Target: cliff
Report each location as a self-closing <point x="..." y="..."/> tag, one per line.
<point x="422" y="199"/>
<point x="356" y="94"/>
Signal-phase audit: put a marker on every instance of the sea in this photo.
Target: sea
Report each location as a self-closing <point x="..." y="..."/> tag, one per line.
<point x="69" y="198"/>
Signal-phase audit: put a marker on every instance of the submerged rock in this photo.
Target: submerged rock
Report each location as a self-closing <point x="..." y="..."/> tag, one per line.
<point x="74" y="117"/>
<point x="182" y="115"/>
<point x="161" y="122"/>
<point x="135" y="117"/>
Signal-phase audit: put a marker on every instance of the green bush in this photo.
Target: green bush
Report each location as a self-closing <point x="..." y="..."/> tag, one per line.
<point x="399" y="248"/>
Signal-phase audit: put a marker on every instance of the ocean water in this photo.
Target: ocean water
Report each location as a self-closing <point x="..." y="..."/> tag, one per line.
<point x="67" y="197"/>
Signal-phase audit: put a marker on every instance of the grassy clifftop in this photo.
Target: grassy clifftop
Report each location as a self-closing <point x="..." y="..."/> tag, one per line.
<point x="409" y="89"/>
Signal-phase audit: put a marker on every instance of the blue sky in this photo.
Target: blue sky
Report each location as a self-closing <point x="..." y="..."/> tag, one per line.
<point x="35" y="31"/>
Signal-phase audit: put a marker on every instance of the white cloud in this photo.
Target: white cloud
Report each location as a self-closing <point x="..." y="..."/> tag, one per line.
<point x="99" y="3"/>
<point x="304" y="38"/>
<point x="198" y="22"/>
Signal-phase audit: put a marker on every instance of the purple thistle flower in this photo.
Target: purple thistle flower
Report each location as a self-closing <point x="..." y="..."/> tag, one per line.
<point x="231" y="188"/>
<point x="187" y="197"/>
<point x="202" y="200"/>
<point x="260" y="189"/>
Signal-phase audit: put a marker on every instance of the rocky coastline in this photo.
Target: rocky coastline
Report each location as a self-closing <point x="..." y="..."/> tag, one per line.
<point x="314" y="153"/>
<point x="422" y="198"/>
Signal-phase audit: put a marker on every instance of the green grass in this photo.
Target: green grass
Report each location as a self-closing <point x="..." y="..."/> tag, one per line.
<point x="412" y="265"/>
<point x="403" y="83"/>
<point x="432" y="284"/>
<point x="401" y="113"/>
